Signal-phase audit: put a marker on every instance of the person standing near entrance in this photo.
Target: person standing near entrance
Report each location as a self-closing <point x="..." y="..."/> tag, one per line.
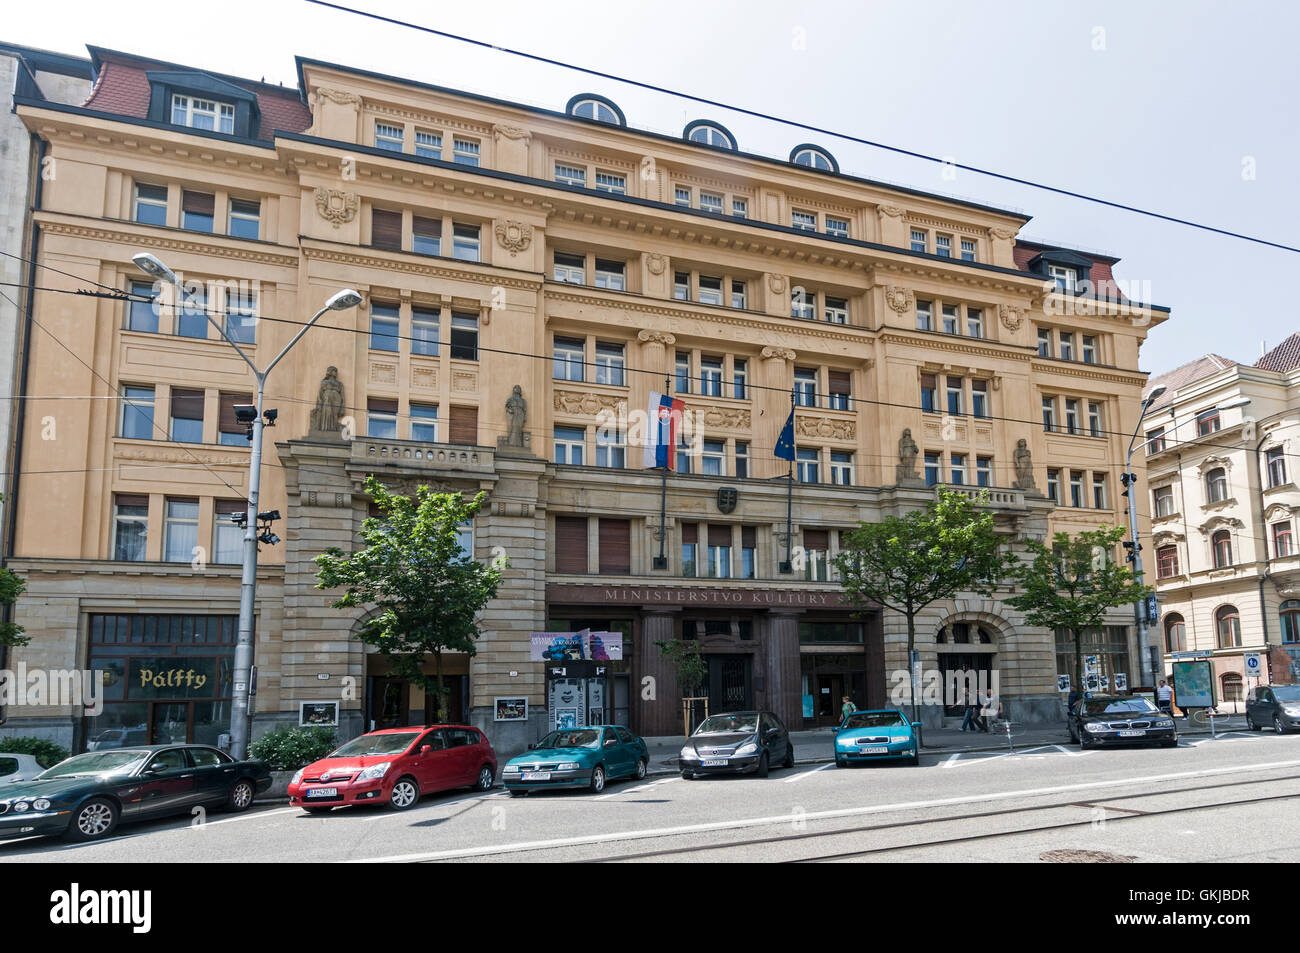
<point x="1165" y="697"/>
<point x="970" y="719"/>
<point x="847" y="708"/>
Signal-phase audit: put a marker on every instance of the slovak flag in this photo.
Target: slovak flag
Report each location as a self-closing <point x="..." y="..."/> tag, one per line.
<point x="663" y="424"/>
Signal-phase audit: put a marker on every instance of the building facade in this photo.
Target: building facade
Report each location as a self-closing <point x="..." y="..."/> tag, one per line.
<point x="530" y="278"/>
<point x="1223" y="556"/>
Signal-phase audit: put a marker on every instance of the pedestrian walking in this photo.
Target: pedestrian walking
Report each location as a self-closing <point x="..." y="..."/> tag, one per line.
<point x="971" y="715"/>
<point x="992" y="709"/>
<point x="847" y="708"/>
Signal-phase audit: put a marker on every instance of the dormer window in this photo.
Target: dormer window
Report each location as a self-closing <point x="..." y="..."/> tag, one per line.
<point x="813" y="157"/>
<point x="203" y="114"/>
<point x="709" y="134"/>
<point x="597" y="108"/>
<point x="1066" y="278"/>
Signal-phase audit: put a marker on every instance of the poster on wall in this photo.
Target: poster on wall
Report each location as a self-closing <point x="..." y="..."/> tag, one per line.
<point x="1063" y="683"/>
<point x="576" y="646"/>
<point x="1121" y="681"/>
<point x="510" y="709"/>
<point x="1193" y="684"/>
<point x="318" y="714"/>
<point x="566" y="719"/>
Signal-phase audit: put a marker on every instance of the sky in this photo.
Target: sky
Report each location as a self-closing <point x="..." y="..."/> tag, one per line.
<point x="1180" y="108"/>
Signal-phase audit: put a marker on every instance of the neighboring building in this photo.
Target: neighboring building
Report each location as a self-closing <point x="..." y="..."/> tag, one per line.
<point x="588" y="264"/>
<point x="1223" y="554"/>
<point x="39" y="75"/>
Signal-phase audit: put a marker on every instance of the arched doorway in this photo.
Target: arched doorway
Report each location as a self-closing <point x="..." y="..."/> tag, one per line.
<point x="965" y="644"/>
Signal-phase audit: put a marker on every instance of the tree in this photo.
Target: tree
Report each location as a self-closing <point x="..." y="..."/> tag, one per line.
<point x="12" y="586"/>
<point x="426" y="592"/>
<point x="905" y="563"/>
<point x="1072" y="584"/>
<point x="689" y="667"/>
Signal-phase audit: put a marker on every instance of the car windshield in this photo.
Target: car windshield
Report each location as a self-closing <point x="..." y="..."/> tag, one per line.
<point x="584" y="738"/>
<point x="394" y="743"/>
<point x="875" y="719"/>
<point x="1287" y="693"/>
<point x="728" y="725"/>
<point x="96" y="762"/>
<point x="1119" y="706"/>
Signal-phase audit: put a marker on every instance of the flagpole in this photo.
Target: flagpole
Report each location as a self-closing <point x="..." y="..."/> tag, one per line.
<point x="787" y="566"/>
<point x="661" y="561"/>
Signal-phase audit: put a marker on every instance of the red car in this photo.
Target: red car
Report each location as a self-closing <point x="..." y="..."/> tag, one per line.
<point x="396" y="767"/>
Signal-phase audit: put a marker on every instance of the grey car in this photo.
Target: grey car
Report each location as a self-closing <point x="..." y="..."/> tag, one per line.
<point x="1273" y="706"/>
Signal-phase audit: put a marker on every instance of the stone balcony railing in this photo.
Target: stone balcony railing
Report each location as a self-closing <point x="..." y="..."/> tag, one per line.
<point x="997" y="496"/>
<point x="417" y="454"/>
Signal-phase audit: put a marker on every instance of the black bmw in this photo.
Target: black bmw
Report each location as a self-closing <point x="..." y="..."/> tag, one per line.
<point x="1120" y="719"/>
<point x="738" y="742"/>
<point x="86" y="796"/>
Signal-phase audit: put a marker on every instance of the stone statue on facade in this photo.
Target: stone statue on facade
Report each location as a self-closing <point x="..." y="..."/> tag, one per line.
<point x="905" y="471"/>
<point x="516" y="437"/>
<point x="1024" y="466"/>
<point x="329" y="407"/>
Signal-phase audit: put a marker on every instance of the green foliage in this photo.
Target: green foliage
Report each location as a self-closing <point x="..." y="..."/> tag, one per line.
<point x="687" y="663"/>
<point x="288" y="748"/>
<point x="12" y="586"/>
<point x="46" y="753"/>
<point x="425" y="593"/>
<point x="1072" y="583"/>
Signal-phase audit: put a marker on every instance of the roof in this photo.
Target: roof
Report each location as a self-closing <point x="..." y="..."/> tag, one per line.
<point x="48" y="61"/>
<point x="1188" y="373"/>
<point x="1024" y="252"/>
<point x="1285" y="357"/>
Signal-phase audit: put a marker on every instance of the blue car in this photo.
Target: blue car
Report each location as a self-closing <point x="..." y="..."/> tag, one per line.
<point x="577" y="758"/>
<point x="877" y="736"/>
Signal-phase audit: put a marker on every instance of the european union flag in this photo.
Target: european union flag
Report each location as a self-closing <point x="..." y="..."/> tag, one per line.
<point x="785" y="443"/>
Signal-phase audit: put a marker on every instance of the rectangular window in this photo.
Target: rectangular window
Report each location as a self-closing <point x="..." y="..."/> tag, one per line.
<point x="143" y="315"/>
<point x="1089" y="349"/>
<point x="742" y="459"/>
<point x="836" y="310"/>
<point x="1282" y="539"/>
<point x="816" y="548"/>
<point x="464" y="151"/>
<point x="462" y="427"/>
<point x="682" y="285"/>
<point x="1071" y="415"/>
<point x="227" y="535"/>
<point x="1207" y="422"/>
<point x="464" y="337"/>
<point x="187" y="416"/>
<point x="571" y="544"/>
<point x="1100" y="499"/>
<point x="609" y="364"/>
<point x="1276" y="461"/>
<point x="951" y="322"/>
<point x="1049" y="414"/>
<point x="929" y="393"/>
<point x="610" y="274"/>
<point x="381" y="418"/>
<point x="386" y="229"/>
<point x="615" y="553"/>
<point x="203" y="114"/>
<point x="803" y="302"/>
<point x="569" y="445"/>
<point x="943" y="246"/>
<point x="1054" y="486"/>
<point x="683" y="455"/>
<point x="748" y="552"/>
<point x="841" y="468"/>
<point x="241" y="316"/>
<point x="968" y="249"/>
<point x="465" y="242"/>
<point x="230" y="432"/>
<point x="1156" y="440"/>
<point x="711" y="376"/>
<point x="710" y="290"/>
<point x="954" y="390"/>
<point x="568" y="356"/>
<point x="181" y="534"/>
<point x="1067" y="346"/>
<point x="719" y="564"/>
<point x="740" y="208"/>
<point x="713" y="458"/>
<point x="682" y="196"/>
<point x="1167" y="561"/>
<point x="1094" y="418"/>
<point x="245" y="218"/>
<point x="569" y="268"/>
<point x="805" y="386"/>
<point x="137" y="413"/>
<point x="958" y="469"/>
<point x="682" y="372"/>
<point x="1163" y="501"/>
<point x="611" y="448"/>
<point x="1076" y="488"/>
<point x="426" y="235"/>
<point x="840" y="389"/>
<point x="931" y="468"/>
<point x="739" y="379"/>
<point x="806" y="465"/>
<point x="710" y="202"/>
<point x="690" y="541"/>
<point x="426" y="325"/>
<point x="1064" y="277"/>
<point x="924" y="315"/>
<point x="839" y="227"/>
<point x="804" y="221"/>
<point x="130" y="527"/>
<point x="1044" y="342"/>
<point x="428" y="144"/>
<point x="384" y="325"/>
<point x="150" y="204"/>
<point x="611" y="182"/>
<point x="739" y="299"/>
<point x="424" y="422"/>
<point x="975" y="322"/>
<point x="920" y="240"/>
<point x="570" y="175"/>
<point x="984" y="471"/>
<point x="192" y="320"/>
<point x="388" y="136"/>
<point x="198" y="211"/>
<point x="979" y="398"/>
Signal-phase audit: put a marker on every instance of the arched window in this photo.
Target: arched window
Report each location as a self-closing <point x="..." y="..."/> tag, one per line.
<point x="1216" y="485"/>
<point x="591" y="106"/>
<point x="709" y="134"/>
<point x="1166" y="562"/>
<point x="1290" y="613"/>
<point x="1175" y="633"/>
<point x="814" y="157"/>
<point x="1221" y="543"/>
<point x="1231" y="683"/>
<point x="1228" y="624"/>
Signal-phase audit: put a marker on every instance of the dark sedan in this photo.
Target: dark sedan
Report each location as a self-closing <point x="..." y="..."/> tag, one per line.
<point x="1120" y="720"/>
<point x="85" y="797"/>
<point x="1273" y="706"/>
<point x="737" y="743"/>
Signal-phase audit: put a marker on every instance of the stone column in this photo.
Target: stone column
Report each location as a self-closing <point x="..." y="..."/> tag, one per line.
<point x="663" y="715"/>
<point x="784" y="681"/>
<point x="773" y="407"/>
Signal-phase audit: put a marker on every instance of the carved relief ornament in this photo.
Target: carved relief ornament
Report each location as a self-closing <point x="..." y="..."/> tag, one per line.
<point x="779" y="353"/>
<point x="656" y="337"/>
<point x="340" y="96"/>
<point x="1011" y="317"/>
<point x="336" y="206"/>
<point x="514" y="236"/>
<point x="899" y="298"/>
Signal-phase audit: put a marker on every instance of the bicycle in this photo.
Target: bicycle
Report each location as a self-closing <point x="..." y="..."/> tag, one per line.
<point x="1008" y="729"/>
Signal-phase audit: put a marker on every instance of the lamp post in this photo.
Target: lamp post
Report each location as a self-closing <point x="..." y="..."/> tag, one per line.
<point x="342" y="300"/>
<point x="1129" y="480"/>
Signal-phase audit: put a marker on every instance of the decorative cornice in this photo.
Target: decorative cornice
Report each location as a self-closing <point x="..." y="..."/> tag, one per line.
<point x="148" y="236"/>
<point x="198" y="455"/>
<point x="428" y="118"/>
<point x="396" y="262"/>
<point x="914" y="219"/>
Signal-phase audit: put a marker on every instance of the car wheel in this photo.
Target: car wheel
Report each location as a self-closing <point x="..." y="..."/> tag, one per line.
<point x="839" y="763"/>
<point x="641" y="769"/>
<point x="405" y="793"/>
<point x="1170" y="743"/>
<point x="688" y="776"/>
<point x="241" y="795"/>
<point x="94" y="820"/>
<point x="915" y="760"/>
<point x="486" y="778"/>
<point x="1278" y="727"/>
<point x="1250" y="723"/>
<point x="518" y="793"/>
<point x="789" y="756"/>
<point x="598" y="779"/>
<point x="762" y="765"/>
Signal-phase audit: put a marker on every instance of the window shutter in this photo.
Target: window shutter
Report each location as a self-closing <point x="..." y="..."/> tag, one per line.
<point x="690" y="533"/>
<point x="226" y="507"/>
<point x="187" y="404"/>
<point x="226" y="421"/>
<point x="839" y="382"/>
<point x="123" y="500"/>
<point x="463" y="427"/>
<point x="818" y="539"/>
<point x="571" y="544"/>
<point x="426" y="227"/>
<point x="747" y="537"/>
<point x="616" y="546"/>
<point x="381" y="405"/>
<point x="198" y="203"/>
<point x="386" y="229"/>
<point x="928" y="381"/>
<point x="719" y="534"/>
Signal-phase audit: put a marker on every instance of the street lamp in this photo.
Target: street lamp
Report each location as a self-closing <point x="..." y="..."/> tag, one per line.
<point x="1129" y="479"/>
<point x="341" y="301"/>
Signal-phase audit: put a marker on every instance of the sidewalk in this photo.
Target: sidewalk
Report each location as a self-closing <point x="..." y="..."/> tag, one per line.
<point x="818" y="745"/>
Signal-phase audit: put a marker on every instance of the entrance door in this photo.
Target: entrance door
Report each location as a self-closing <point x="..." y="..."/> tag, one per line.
<point x="389" y="701"/>
<point x="830" y="689"/>
<point x="729" y="683"/>
<point x="980" y="663"/>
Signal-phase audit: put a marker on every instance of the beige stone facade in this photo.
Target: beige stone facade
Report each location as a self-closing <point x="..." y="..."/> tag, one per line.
<point x="589" y="264"/>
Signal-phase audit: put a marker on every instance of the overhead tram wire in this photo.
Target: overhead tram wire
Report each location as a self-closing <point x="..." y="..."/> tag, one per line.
<point x="795" y="124"/>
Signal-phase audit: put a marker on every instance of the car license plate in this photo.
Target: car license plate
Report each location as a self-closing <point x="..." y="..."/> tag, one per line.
<point x="715" y="763"/>
<point x="536" y="776"/>
<point x="323" y="792"/>
<point x="1134" y="733"/>
<point x="873" y="751"/>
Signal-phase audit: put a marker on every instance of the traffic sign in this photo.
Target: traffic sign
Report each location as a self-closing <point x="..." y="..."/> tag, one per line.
<point x="1254" y="664"/>
<point x="1153" y="610"/>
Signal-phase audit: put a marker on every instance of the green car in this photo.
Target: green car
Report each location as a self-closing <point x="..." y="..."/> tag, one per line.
<point x="577" y="758"/>
<point x="85" y="797"/>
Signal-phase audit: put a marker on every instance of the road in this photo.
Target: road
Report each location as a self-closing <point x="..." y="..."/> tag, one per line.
<point x="1230" y="799"/>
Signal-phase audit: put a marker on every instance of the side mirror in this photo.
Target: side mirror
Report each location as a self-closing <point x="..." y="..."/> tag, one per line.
<point x="532" y="746"/>
<point x="835" y="729"/>
<point x="426" y="749"/>
<point x="773" y="733"/>
<point x="155" y="768"/>
<point x="915" y="724"/>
